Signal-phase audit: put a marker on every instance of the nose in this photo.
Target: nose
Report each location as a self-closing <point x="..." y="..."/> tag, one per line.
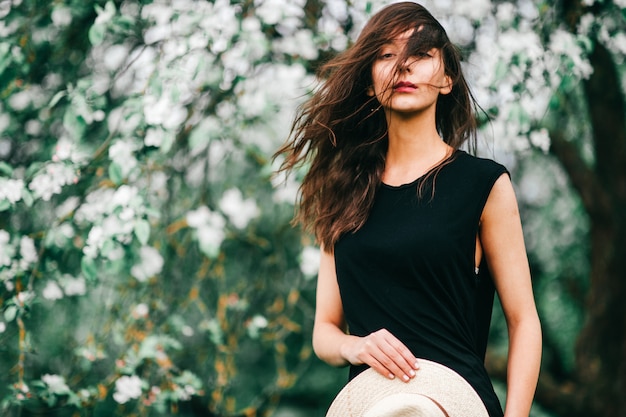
<point x="405" y="65"/>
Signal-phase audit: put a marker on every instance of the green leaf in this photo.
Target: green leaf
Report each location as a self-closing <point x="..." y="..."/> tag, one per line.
<point x="6" y="169"/>
<point x="5" y="53"/>
<point x="57" y="97"/>
<point x="27" y="198"/>
<point x="142" y="231"/>
<point x="96" y="34"/>
<point x="10" y="313"/>
<point x="5" y="205"/>
<point x="501" y="70"/>
<point x="89" y="269"/>
<point x="74" y="124"/>
<point x="115" y="173"/>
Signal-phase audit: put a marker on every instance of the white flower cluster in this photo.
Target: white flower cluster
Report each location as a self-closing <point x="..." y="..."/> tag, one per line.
<point x="127" y="388"/>
<point x="150" y="264"/>
<point x="122" y="153"/>
<point x="238" y="210"/>
<point x="6" y="250"/>
<point x="209" y="226"/>
<point x="113" y="216"/>
<point x="11" y="189"/>
<point x="51" y="179"/>
<point x="256" y="324"/>
<point x="67" y="285"/>
<point x="16" y="255"/>
<point x="310" y="261"/>
<point x="56" y="384"/>
<point x="285" y="187"/>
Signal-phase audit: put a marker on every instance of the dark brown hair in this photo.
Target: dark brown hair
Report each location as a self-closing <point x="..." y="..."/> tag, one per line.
<point x="341" y="132"/>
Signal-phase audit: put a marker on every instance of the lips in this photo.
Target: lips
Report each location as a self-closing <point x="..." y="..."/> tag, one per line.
<point x="404" y="85"/>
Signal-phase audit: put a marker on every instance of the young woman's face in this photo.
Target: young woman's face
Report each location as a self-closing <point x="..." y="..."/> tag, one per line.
<point x="408" y="87"/>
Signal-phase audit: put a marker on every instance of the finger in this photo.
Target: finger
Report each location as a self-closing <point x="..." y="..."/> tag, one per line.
<point x="380" y="368"/>
<point x="401" y="355"/>
<point x="391" y="359"/>
<point x="376" y="354"/>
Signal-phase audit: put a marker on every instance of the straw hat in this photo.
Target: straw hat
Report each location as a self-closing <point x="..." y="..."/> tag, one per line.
<point x="435" y="391"/>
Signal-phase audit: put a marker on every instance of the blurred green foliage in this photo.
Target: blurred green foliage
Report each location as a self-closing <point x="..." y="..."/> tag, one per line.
<point x="147" y="262"/>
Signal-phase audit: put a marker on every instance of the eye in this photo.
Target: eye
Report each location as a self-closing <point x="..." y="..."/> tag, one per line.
<point x="386" y="55"/>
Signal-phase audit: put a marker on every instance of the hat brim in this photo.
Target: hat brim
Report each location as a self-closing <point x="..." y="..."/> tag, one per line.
<point x="433" y="380"/>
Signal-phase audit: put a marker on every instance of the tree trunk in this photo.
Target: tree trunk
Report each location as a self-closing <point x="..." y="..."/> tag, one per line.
<point x="600" y="385"/>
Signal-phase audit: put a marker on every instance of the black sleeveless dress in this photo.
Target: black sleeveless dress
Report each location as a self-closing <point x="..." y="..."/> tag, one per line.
<point x="410" y="269"/>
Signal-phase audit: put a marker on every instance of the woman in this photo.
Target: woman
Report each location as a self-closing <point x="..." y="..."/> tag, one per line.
<point x="416" y="233"/>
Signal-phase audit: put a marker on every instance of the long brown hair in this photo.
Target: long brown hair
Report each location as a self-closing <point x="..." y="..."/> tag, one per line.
<point x="342" y="132"/>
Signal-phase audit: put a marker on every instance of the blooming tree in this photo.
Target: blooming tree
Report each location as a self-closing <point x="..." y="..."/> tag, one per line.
<point x="146" y="256"/>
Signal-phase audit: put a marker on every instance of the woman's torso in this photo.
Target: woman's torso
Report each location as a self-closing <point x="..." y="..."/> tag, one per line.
<point x="411" y="269"/>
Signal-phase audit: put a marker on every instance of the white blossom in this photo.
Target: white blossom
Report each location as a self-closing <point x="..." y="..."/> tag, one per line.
<point x="122" y="152"/>
<point x="5" y="121"/>
<point x="565" y="44"/>
<point x="541" y="139"/>
<point x="115" y="56"/>
<point x="95" y="240"/>
<point x="187" y="331"/>
<point x="50" y="180"/>
<point x="3" y="327"/>
<point x="528" y="9"/>
<point x="73" y="285"/>
<point x="25" y="297"/>
<point x="505" y="13"/>
<point x="127" y="388"/>
<point x="256" y="324"/>
<point x="55" y="383"/>
<point x="285" y="188"/>
<point x="61" y="16"/>
<point x="11" y="190"/>
<point x="63" y="149"/>
<point x="6" y="251"/>
<point x="154" y="137"/>
<point x="238" y="210"/>
<point x="28" y="252"/>
<point x="150" y="264"/>
<point x="273" y="12"/>
<point x="20" y="100"/>
<point x="105" y="15"/>
<point x="141" y="310"/>
<point x="162" y="111"/>
<point x="310" y="261"/>
<point x="299" y="44"/>
<point x="199" y="217"/>
<point x="52" y="291"/>
<point x="124" y="196"/>
<point x="259" y="321"/>
<point x="209" y="227"/>
<point x="95" y="206"/>
<point x="33" y="127"/>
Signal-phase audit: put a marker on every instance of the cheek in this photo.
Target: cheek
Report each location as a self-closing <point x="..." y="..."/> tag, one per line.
<point x="382" y="76"/>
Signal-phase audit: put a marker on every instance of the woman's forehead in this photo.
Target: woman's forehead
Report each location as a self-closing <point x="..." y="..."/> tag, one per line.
<point x="411" y="35"/>
<point x="412" y="40"/>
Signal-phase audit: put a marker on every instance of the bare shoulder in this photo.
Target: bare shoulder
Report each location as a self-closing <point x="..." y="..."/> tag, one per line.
<point x="501" y="202"/>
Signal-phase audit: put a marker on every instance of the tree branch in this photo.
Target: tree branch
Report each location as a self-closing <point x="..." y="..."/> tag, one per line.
<point x="583" y="178"/>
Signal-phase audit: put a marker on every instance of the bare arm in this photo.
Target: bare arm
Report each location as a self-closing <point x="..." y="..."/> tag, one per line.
<point x="503" y="244"/>
<point x="380" y="350"/>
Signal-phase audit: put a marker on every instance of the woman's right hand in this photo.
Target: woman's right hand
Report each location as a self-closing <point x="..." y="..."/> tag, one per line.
<point x="380" y="350"/>
<point x="383" y="352"/>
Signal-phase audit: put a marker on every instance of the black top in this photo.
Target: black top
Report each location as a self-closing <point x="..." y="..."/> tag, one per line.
<point x="410" y="269"/>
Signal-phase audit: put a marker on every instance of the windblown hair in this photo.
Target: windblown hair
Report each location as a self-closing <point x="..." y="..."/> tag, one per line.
<point x="342" y="132"/>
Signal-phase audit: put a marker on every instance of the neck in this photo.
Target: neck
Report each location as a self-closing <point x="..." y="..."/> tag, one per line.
<point x="412" y="137"/>
<point x="414" y="148"/>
